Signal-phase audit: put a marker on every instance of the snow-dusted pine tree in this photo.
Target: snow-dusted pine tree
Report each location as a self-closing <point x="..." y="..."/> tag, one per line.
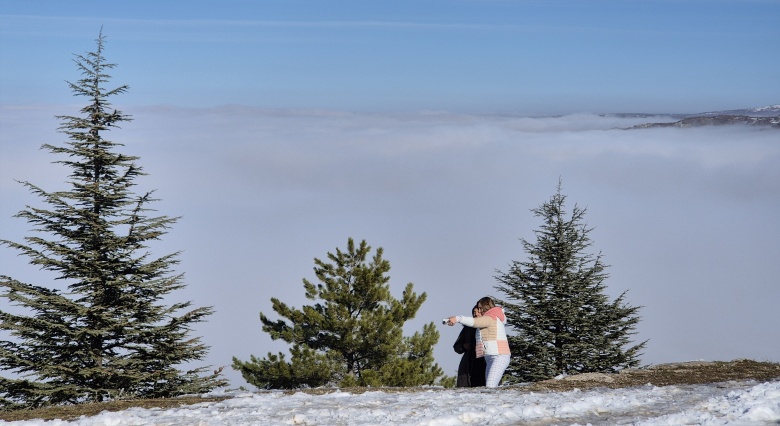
<point x="352" y="335"/>
<point x="563" y="321"/>
<point x="109" y="334"/>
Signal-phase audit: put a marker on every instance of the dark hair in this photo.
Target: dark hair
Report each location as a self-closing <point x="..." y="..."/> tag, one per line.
<point x="475" y="308"/>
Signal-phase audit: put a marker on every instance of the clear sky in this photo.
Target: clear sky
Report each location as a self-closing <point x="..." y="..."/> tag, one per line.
<point x="278" y="129"/>
<point x="466" y="55"/>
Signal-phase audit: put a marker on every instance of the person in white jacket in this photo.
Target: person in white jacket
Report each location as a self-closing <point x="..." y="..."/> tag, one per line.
<point x="492" y="342"/>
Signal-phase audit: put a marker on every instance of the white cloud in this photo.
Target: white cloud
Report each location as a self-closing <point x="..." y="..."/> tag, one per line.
<point x="684" y="216"/>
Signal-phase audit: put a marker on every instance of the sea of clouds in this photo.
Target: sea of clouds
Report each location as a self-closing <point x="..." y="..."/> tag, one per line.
<point x="685" y="217"/>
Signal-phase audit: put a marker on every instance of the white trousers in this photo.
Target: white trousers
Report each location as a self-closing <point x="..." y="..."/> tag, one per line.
<point x="494" y="370"/>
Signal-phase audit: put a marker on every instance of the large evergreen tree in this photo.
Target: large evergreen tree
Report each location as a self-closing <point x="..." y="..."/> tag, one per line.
<point x="109" y="334"/>
<point x="555" y="302"/>
<point x="352" y="335"/>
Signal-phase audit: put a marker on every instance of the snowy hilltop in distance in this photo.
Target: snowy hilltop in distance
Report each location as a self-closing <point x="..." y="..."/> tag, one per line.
<point x="761" y="116"/>
<point x="767" y="111"/>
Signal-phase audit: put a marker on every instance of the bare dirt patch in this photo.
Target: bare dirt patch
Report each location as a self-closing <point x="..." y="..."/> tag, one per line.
<point x="683" y="373"/>
<point x="74" y="412"/>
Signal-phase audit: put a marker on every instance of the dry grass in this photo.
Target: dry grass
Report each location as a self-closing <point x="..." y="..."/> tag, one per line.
<point x="686" y="373"/>
<point x="73" y="412"/>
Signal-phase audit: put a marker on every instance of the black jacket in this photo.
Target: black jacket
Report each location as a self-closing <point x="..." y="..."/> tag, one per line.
<point x="471" y="371"/>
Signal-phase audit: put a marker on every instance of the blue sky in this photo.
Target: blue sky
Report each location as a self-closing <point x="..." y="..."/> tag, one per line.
<point x="278" y="129"/>
<point x="531" y="57"/>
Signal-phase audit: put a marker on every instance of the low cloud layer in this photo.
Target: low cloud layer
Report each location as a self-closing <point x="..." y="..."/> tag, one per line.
<point x="685" y="217"/>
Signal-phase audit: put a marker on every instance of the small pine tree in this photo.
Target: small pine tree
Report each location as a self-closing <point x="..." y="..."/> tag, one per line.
<point x="108" y="335"/>
<point x="555" y="302"/>
<point x="352" y="335"/>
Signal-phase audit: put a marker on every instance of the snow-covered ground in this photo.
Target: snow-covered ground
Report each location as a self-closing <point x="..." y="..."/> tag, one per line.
<point x="744" y="403"/>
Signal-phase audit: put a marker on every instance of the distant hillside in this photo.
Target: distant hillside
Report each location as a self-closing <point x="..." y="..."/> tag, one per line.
<point x="762" y="116"/>
<point x="767" y="111"/>
<point x="716" y="120"/>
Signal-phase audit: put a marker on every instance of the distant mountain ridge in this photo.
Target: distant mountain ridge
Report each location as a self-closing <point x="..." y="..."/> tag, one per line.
<point x="760" y="116"/>
<point x="767" y="111"/>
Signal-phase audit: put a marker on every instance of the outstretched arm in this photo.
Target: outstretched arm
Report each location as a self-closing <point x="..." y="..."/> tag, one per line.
<point x="479" y="322"/>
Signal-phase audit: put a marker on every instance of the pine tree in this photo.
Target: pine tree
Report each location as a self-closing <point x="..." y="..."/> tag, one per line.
<point x="109" y="335"/>
<point x="555" y="303"/>
<point x="351" y="335"/>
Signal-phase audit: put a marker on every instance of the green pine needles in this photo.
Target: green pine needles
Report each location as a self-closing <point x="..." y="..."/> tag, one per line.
<point x="109" y="335"/>
<point x="352" y="335"/>
<point x="563" y="322"/>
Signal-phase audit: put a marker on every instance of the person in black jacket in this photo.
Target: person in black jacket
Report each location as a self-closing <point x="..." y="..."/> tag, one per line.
<point x="471" y="371"/>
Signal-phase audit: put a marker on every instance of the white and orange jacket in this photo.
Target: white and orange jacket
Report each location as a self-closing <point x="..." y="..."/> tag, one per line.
<point x="491" y="332"/>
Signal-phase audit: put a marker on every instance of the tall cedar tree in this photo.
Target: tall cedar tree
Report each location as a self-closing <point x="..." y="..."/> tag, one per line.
<point x="108" y="335"/>
<point x="564" y="322"/>
<point x="352" y="335"/>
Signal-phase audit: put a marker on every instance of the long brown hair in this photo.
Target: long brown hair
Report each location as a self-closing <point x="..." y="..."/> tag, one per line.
<point x="485" y="304"/>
